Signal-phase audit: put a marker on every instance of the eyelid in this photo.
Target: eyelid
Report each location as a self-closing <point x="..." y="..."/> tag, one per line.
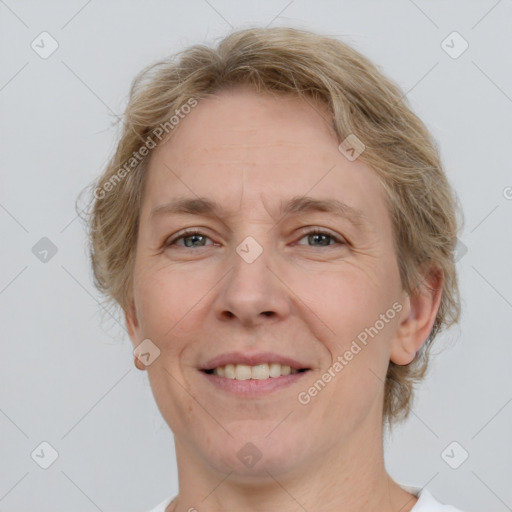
<point x="304" y="231"/>
<point x="316" y="230"/>
<point x="307" y="230"/>
<point x="184" y="233"/>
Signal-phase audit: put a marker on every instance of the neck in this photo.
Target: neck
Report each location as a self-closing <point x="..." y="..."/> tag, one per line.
<point x="348" y="477"/>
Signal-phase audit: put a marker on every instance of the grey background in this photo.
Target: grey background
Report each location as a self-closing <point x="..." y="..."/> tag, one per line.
<point x="67" y="373"/>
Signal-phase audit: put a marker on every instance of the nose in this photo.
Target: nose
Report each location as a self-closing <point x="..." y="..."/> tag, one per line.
<point x="253" y="291"/>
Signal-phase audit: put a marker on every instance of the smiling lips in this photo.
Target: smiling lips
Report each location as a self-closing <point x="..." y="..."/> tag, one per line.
<point x="257" y="372"/>
<point x="243" y="366"/>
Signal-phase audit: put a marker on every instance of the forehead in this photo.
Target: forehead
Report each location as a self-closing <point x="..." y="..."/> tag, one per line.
<point x="241" y="112"/>
<point x="235" y="123"/>
<point x="239" y="146"/>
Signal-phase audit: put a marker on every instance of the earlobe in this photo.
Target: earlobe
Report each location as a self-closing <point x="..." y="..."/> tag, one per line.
<point x="419" y="314"/>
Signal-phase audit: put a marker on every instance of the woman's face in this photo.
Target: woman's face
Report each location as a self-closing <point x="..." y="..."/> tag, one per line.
<point x="255" y="285"/>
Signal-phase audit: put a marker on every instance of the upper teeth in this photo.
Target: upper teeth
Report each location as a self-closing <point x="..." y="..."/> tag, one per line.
<point x="260" y="371"/>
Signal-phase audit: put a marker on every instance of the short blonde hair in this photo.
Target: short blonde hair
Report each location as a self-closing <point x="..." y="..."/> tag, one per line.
<point x="362" y="101"/>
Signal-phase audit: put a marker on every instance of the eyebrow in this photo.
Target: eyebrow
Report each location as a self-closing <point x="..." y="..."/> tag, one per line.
<point x="296" y="205"/>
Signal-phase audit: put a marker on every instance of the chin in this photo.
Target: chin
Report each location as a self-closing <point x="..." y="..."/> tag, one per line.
<point x="254" y="451"/>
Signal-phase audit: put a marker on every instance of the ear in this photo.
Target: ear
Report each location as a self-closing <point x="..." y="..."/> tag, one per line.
<point x="418" y="317"/>
<point x="132" y="326"/>
<point x="132" y="323"/>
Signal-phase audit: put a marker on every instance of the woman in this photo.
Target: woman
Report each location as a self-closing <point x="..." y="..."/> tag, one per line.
<point x="277" y="227"/>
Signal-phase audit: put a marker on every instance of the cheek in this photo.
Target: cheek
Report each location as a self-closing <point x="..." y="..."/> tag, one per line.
<point x="347" y="300"/>
<point x="358" y="341"/>
<point x="336" y="305"/>
<point x="350" y="302"/>
<point x="159" y="304"/>
<point x="169" y="303"/>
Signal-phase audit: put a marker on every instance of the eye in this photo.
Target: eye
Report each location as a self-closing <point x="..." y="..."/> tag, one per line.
<point x="191" y="239"/>
<point x="321" y="236"/>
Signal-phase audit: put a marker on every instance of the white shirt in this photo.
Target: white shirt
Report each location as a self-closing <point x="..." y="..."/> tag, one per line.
<point x="426" y="502"/>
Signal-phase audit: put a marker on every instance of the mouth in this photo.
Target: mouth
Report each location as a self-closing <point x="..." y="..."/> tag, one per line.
<point x="247" y="375"/>
<point x="261" y="371"/>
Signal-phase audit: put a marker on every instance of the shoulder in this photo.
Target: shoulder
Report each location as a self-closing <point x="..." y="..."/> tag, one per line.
<point x="163" y="505"/>
<point x="427" y="503"/>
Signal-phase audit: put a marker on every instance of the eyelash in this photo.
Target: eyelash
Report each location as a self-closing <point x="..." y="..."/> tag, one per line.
<point x="315" y="231"/>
